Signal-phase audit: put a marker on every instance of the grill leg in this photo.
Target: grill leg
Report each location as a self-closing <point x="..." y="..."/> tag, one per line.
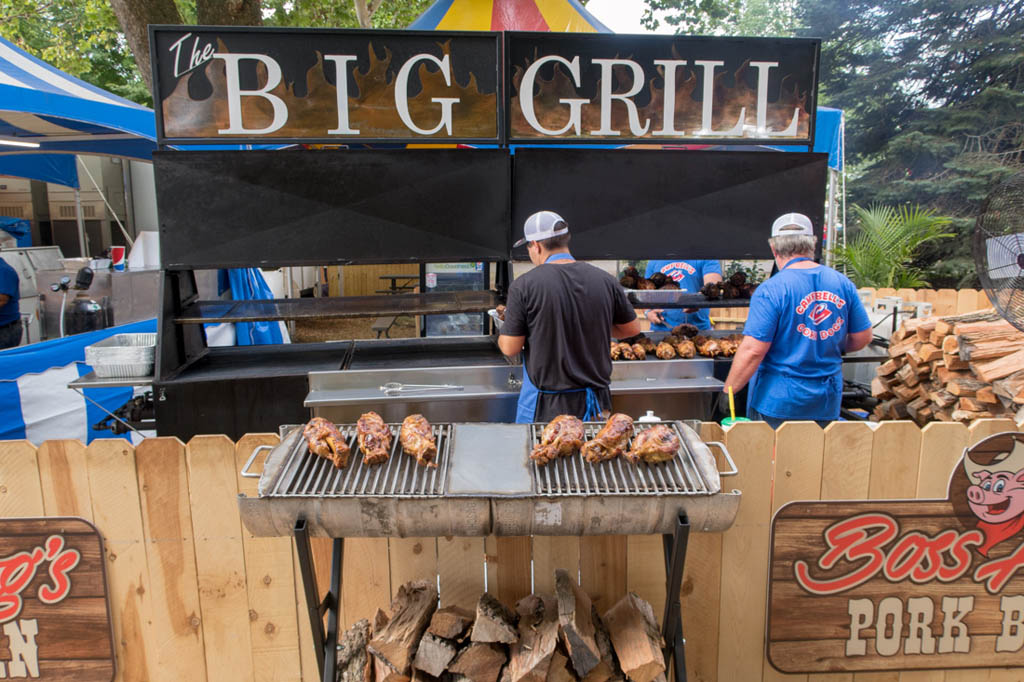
<point x="324" y="644"/>
<point x="672" y="624"/>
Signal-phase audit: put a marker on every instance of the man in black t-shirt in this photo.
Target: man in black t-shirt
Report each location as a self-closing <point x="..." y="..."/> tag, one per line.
<point x="563" y="312"/>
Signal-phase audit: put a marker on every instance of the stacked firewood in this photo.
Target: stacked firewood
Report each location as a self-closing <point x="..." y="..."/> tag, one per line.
<point x="545" y="639"/>
<point x="955" y="368"/>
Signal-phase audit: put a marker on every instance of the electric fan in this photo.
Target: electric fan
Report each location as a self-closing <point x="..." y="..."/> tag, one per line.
<point x="999" y="248"/>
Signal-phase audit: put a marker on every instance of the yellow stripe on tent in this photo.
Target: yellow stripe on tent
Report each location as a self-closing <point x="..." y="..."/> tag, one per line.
<point x="562" y="17"/>
<point x="467" y="15"/>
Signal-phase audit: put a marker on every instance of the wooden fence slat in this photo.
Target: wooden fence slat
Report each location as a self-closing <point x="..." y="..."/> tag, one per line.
<point x="895" y="461"/>
<point x="270" y="584"/>
<point x="945" y="302"/>
<point x="645" y="575"/>
<point x="513" y="569"/>
<point x="220" y="560"/>
<point x="114" y="491"/>
<point x="167" y="522"/>
<point x="307" y="656"/>
<point x="365" y="578"/>
<point x="942" y="445"/>
<point x="799" y="447"/>
<point x="745" y="555"/>
<point x="983" y="300"/>
<point x="966" y="301"/>
<point x="845" y="475"/>
<point x="603" y="569"/>
<point x="412" y="559"/>
<point x="552" y="552"/>
<point x="20" y="490"/>
<point x="64" y="479"/>
<point x="460" y="565"/>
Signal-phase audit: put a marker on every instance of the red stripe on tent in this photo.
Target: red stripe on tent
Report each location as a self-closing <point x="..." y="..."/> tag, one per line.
<point x="517" y="15"/>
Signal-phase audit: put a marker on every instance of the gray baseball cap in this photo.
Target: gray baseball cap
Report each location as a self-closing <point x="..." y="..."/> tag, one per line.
<point x="542" y="225"/>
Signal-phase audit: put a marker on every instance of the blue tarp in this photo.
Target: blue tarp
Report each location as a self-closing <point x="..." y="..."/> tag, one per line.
<point x="35" y="403"/>
<point x="248" y="284"/>
<point x="19" y="228"/>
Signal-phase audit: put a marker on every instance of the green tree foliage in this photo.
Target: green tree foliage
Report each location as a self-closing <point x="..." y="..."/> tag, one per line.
<point x="85" y="39"/>
<point x="722" y="17"/>
<point x="934" y="96"/>
<point x="881" y="251"/>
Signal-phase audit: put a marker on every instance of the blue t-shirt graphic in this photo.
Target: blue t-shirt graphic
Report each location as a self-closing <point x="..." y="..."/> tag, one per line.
<point x="805" y="315"/>
<point x="689" y="275"/>
<point x="8" y="286"/>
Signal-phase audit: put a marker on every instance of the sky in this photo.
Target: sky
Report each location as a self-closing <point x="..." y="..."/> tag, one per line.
<point x="622" y="16"/>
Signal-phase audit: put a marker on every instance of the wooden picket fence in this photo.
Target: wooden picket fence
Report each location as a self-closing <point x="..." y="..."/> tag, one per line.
<point x="195" y="597"/>
<point x="944" y="302"/>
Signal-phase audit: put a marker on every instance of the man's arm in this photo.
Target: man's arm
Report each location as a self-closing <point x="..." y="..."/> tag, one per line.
<point x="746" y="361"/>
<point x="624" y="331"/>
<point x="858" y="340"/>
<point x="4" y="298"/>
<point x="510" y="345"/>
<point x="712" y="277"/>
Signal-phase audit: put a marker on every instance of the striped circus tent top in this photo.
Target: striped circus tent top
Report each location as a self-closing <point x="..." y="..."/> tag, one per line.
<point x="41" y="105"/>
<point x="562" y="16"/>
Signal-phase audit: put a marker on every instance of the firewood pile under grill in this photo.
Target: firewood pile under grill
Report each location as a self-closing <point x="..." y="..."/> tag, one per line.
<point x="954" y="368"/>
<point x="545" y="638"/>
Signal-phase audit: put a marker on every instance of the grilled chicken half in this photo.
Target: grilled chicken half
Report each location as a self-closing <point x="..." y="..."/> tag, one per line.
<point x="610" y="441"/>
<point x="374" y="438"/>
<point x="417" y="439"/>
<point x="656" y="444"/>
<point x="325" y="440"/>
<point x="561" y="437"/>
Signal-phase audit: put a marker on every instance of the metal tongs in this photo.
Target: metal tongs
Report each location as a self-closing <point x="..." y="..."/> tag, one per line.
<point x="396" y="388"/>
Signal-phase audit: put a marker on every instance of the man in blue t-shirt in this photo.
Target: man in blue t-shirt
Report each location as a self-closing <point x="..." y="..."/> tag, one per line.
<point x="801" y="322"/>
<point x="10" y="317"/>
<point x="690" y="275"/>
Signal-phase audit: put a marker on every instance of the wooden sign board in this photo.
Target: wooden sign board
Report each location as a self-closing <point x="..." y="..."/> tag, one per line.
<point x="905" y="585"/>
<point x="54" y="614"/>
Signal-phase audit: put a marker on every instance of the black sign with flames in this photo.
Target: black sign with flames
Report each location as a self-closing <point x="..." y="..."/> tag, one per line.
<point x="213" y="84"/>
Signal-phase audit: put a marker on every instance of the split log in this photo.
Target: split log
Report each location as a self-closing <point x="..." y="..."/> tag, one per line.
<point x="954" y="362"/>
<point x="635" y="638"/>
<point x="950" y="345"/>
<point x="1000" y="367"/>
<point x="942" y="398"/>
<point x="494" y="622"/>
<point x="880" y="389"/>
<point x="908" y="375"/>
<point x="928" y="353"/>
<point x="945" y="325"/>
<point x="888" y="367"/>
<point x="574" y="618"/>
<point x="353" y="660"/>
<point x="530" y="657"/>
<point x="450" y="622"/>
<point x="904" y="393"/>
<point x="434" y="654"/>
<point x="965" y="416"/>
<point x="945" y="414"/>
<point x="982" y="327"/>
<point x="411" y="610"/>
<point x="903" y="347"/>
<point x="479" y="662"/>
<point x="936" y="338"/>
<point x="898" y="410"/>
<point x="987" y="395"/>
<point x="972" y="405"/>
<point x="380" y="621"/>
<point x="925" y="329"/>
<point x="990" y="349"/>
<point x="962" y="387"/>
<point x="944" y="374"/>
<point x="559" y="671"/>
<point x="608" y="669"/>
<point x="1012" y="387"/>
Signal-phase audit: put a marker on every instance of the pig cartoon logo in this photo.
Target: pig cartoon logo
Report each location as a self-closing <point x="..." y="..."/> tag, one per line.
<point x="996" y="493"/>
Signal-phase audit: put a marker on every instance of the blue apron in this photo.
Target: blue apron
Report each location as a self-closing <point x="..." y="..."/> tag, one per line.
<point x="526" y="409"/>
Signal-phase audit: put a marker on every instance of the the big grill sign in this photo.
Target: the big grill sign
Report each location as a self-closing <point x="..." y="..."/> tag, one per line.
<point x="324" y="86"/>
<point x="861" y="586"/>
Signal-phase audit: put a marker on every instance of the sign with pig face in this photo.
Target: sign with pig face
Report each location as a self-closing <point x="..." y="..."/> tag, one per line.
<point x="905" y="585"/>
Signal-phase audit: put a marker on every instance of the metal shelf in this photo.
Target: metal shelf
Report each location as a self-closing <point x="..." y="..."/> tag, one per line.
<point x="325" y="308"/>
<point x="90" y="380"/>
<point x="671" y="298"/>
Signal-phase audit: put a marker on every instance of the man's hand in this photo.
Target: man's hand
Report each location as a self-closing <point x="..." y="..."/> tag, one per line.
<point x="654" y="316"/>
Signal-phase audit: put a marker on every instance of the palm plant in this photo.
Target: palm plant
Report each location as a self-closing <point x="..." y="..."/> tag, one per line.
<point x="881" y="251"/>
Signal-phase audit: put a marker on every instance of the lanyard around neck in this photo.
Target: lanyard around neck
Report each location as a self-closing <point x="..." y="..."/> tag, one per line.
<point x="559" y="256"/>
<point x="795" y="260"/>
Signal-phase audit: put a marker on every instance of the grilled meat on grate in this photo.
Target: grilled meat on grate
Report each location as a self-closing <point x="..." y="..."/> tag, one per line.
<point x="638" y="351"/>
<point x="685" y="349"/>
<point x="656" y="444"/>
<point x="561" y="437"/>
<point x="610" y="441"/>
<point x="417" y="439"/>
<point x="325" y="440"/>
<point x="665" y="351"/>
<point x="686" y="331"/>
<point x="374" y="438"/>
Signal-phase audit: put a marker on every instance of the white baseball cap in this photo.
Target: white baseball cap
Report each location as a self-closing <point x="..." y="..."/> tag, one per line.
<point x="792" y="224"/>
<point x="542" y="225"/>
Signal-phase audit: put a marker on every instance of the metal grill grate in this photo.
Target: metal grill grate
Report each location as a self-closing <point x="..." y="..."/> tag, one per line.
<point x="573" y="475"/>
<point x="306" y="474"/>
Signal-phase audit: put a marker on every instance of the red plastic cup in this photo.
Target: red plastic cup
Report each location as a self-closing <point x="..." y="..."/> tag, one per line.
<point x="117" y="257"/>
